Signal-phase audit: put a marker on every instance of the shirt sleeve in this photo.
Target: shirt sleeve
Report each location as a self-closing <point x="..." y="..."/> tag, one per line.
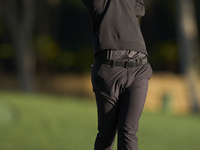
<point x="139" y="8"/>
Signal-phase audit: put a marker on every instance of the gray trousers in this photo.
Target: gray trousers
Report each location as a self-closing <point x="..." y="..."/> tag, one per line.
<point x="120" y="97"/>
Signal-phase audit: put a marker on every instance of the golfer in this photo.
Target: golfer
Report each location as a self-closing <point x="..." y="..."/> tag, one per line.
<point x="121" y="70"/>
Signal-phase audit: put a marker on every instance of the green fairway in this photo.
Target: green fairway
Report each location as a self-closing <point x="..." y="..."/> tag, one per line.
<point x="46" y="122"/>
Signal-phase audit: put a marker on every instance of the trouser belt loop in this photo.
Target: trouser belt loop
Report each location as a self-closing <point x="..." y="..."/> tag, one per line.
<point x="113" y="64"/>
<point x="108" y="54"/>
<point x="139" y="61"/>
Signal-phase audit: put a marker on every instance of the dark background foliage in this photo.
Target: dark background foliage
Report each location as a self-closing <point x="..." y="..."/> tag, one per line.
<point x="62" y="37"/>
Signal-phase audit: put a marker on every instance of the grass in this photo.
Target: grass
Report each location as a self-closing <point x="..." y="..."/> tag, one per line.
<point x="46" y="122"/>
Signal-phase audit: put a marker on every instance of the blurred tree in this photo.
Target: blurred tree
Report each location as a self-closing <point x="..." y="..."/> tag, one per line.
<point x="19" y="17"/>
<point x="188" y="47"/>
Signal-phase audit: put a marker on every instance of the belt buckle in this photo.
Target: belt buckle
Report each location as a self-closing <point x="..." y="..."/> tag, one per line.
<point x="127" y="63"/>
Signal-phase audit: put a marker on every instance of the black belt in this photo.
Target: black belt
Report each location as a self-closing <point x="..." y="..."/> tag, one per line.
<point x="125" y="64"/>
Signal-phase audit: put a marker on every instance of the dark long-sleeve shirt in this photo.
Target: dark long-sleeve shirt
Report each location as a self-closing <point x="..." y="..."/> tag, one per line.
<point x="115" y="24"/>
